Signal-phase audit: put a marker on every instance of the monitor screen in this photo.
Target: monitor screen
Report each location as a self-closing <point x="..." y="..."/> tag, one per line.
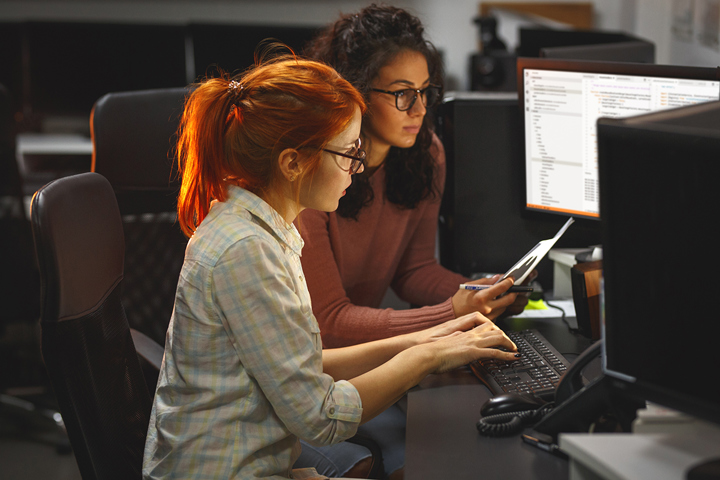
<point x="658" y="178"/>
<point x="561" y="102"/>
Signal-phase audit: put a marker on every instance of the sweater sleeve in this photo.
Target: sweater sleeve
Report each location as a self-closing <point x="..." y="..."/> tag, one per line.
<point x="419" y="278"/>
<point x="341" y="322"/>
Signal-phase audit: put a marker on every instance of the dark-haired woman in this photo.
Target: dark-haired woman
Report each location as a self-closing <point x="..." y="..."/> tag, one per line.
<point x="383" y="233"/>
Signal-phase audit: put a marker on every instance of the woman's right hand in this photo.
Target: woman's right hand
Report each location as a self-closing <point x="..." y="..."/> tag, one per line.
<point x="490" y="302"/>
<point x="460" y="348"/>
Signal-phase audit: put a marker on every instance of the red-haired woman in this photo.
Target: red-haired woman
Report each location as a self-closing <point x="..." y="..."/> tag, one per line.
<point x="244" y="375"/>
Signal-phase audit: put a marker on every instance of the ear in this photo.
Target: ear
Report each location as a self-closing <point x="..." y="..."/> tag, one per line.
<point x="289" y="162"/>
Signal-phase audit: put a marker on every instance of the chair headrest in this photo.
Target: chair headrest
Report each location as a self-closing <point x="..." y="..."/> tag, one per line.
<point x="79" y="243"/>
<point x="134" y="136"/>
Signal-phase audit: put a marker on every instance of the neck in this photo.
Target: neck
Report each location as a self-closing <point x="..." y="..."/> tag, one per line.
<point x="376" y="155"/>
<point x="284" y="204"/>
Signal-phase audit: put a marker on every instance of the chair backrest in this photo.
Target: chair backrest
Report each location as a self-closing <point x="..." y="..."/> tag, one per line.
<point x="86" y="341"/>
<point x="133" y="136"/>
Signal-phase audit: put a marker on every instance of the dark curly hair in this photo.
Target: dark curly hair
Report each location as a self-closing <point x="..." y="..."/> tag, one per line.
<point x="358" y="46"/>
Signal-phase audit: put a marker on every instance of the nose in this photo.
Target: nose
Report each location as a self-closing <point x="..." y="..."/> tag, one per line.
<point x="418" y="107"/>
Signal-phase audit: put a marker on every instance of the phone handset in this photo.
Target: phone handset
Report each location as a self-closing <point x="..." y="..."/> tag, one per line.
<point x="511" y="423"/>
<point x="578" y="406"/>
<point x="572" y="381"/>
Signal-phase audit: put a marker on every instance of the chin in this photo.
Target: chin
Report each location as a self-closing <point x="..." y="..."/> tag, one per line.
<point x="408" y="142"/>
<point x="331" y="208"/>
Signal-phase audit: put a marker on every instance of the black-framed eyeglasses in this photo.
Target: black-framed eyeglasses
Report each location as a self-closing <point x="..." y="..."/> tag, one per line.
<point x="355" y="155"/>
<point x="405" y="98"/>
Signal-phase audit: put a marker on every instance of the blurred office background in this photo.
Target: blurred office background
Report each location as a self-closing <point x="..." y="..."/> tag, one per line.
<point x="54" y="64"/>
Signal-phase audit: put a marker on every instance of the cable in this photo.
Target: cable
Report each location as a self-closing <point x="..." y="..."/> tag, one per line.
<point x="511" y="423"/>
<point x="563" y="317"/>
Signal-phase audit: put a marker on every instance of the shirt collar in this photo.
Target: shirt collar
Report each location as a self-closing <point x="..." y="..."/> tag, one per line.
<point x="285" y="232"/>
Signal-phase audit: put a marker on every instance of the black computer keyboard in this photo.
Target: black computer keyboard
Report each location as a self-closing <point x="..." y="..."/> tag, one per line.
<point x="537" y="372"/>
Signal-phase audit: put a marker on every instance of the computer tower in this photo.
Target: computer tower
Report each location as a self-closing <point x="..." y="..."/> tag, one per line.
<point x="484" y="226"/>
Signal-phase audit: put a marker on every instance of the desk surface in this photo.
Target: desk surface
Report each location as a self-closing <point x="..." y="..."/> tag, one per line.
<point x="442" y="441"/>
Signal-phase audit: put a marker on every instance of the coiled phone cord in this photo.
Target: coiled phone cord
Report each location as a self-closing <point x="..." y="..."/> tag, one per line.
<point x="511" y="423"/>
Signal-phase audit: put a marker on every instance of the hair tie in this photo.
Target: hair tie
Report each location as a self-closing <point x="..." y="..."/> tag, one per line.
<point x="235" y="89"/>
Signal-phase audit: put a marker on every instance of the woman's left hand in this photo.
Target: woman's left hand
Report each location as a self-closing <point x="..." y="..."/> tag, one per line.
<point x="521" y="300"/>
<point x="451" y="327"/>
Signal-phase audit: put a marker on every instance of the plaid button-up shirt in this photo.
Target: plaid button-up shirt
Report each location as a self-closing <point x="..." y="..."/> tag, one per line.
<point x="242" y="375"/>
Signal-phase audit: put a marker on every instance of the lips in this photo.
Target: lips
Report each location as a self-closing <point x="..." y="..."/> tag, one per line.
<point x="412" y="129"/>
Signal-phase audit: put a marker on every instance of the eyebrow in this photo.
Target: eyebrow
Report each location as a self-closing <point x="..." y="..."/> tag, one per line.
<point x="408" y="82"/>
<point x="350" y="144"/>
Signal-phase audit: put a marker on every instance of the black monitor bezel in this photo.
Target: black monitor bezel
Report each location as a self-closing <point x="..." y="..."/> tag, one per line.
<point x="588" y="66"/>
<point x="533" y="39"/>
<point x="635" y="51"/>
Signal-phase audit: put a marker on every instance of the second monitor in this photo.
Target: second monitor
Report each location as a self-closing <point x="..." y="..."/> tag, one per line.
<point x="561" y="102"/>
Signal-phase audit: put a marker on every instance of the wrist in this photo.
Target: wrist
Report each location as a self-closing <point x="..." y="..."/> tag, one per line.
<point x="455" y="303"/>
<point x="409" y="340"/>
<point x="426" y="357"/>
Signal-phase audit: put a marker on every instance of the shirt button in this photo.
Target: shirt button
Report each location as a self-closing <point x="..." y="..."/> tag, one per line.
<point x="301" y="278"/>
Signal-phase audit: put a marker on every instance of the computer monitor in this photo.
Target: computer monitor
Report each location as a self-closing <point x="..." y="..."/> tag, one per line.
<point x="561" y="102"/>
<point x="232" y="48"/>
<point x="534" y="39"/>
<point x="637" y="51"/>
<point x="71" y="65"/>
<point x="658" y="185"/>
<point x="483" y="226"/>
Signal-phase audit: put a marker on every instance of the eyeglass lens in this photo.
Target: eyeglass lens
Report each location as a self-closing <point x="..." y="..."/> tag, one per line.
<point x="352" y="159"/>
<point x="358" y="156"/>
<point x="405" y="99"/>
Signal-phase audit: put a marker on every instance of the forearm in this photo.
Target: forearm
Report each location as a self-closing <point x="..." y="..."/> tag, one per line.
<point x="350" y="362"/>
<point x="428" y="284"/>
<point x="346" y="324"/>
<point x="385" y="385"/>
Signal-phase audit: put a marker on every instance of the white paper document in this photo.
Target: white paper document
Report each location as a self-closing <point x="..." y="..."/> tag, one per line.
<point x="526" y="264"/>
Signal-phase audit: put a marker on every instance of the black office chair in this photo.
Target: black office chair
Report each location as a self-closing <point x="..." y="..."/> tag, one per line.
<point x="133" y="136"/>
<point x="89" y="350"/>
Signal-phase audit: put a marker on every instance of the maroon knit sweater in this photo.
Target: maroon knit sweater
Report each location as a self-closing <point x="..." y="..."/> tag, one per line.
<point x="349" y="265"/>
